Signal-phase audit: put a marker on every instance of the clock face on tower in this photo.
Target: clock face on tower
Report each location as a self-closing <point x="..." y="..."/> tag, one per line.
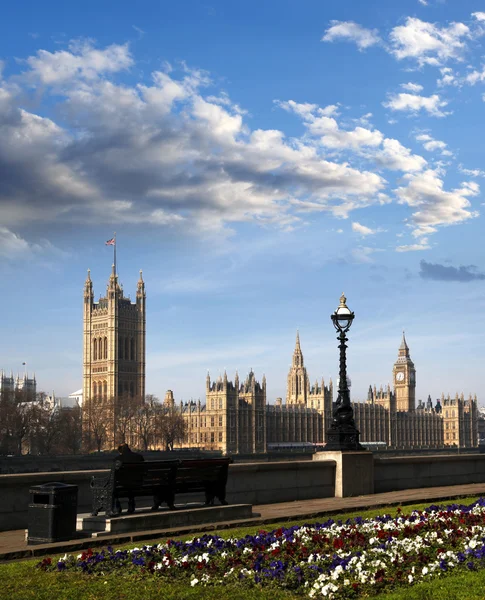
<point x="400" y="376"/>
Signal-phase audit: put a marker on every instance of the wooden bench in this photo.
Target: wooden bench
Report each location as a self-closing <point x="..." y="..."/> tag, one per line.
<point x="161" y="479"/>
<point x="208" y="475"/>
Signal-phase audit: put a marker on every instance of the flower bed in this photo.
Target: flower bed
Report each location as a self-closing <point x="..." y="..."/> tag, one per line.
<point x="330" y="559"/>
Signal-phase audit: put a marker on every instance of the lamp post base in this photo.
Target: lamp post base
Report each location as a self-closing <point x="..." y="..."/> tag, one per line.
<point x="343" y="437"/>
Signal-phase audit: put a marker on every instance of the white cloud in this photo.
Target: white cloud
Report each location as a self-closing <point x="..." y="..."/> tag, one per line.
<point x="472" y="172"/>
<point x="432" y="145"/>
<point x="436" y="206"/>
<point x="82" y="61"/>
<point x="413" y="104"/>
<point x="369" y="143"/>
<point x="448" y="77"/>
<point x="412" y="87"/>
<point x="332" y="136"/>
<point x="423" y="2"/>
<point x="475" y="76"/>
<point x="428" y="43"/>
<point x="395" y="156"/>
<point x="161" y="153"/>
<point x="329" y="111"/>
<point x="479" y="16"/>
<point x="362" y="229"/>
<point x="363" y="254"/>
<point x="353" y="32"/>
<point x="421" y="245"/>
<point x="327" y="130"/>
<point x="15" y="247"/>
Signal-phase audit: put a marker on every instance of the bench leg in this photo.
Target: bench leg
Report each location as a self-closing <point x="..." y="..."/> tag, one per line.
<point x="115" y="510"/>
<point x="209" y="497"/>
<point x="156" y="502"/>
<point x="222" y="497"/>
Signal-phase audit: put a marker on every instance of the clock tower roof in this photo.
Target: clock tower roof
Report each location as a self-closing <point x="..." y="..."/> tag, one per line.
<point x="403" y="353"/>
<point x="403" y="345"/>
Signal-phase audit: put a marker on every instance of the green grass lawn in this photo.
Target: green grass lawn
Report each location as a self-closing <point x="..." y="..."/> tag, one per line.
<point x="22" y="581"/>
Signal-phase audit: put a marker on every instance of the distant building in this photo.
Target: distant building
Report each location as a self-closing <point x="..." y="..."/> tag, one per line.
<point x="393" y="417"/>
<point x="20" y="384"/>
<point x="236" y="419"/>
<point x="75" y="399"/>
<point x="113" y="353"/>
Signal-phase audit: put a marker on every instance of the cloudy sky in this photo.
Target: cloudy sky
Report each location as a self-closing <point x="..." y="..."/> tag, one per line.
<point x="256" y="159"/>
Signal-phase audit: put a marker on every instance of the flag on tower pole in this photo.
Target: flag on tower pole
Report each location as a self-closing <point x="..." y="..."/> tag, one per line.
<point x="112" y="242"/>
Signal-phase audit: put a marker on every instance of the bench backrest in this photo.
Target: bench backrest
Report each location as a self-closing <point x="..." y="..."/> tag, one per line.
<point x="202" y="470"/>
<point x="185" y="472"/>
<point x="159" y="472"/>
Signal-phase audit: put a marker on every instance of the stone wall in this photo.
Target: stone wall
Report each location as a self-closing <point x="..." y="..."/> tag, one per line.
<point x="83" y="462"/>
<point x="248" y="483"/>
<point x="408" y="472"/>
<point x="265" y="482"/>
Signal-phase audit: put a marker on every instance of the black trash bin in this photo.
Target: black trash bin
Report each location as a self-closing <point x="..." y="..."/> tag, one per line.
<point x="52" y="513"/>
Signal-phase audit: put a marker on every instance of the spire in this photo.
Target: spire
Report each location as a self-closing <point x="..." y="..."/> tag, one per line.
<point x="403" y="345"/>
<point x="403" y="352"/>
<point x="297" y="353"/>
<point x="88" y="286"/>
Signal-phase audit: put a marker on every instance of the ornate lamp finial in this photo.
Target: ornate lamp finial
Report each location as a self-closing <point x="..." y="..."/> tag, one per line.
<point x="343" y="300"/>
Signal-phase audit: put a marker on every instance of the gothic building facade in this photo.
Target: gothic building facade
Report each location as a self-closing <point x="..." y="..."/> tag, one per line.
<point x="23" y="386"/>
<point x="233" y="418"/>
<point x="113" y="353"/>
<point x="392" y="417"/>
<point x="236" y="419"/>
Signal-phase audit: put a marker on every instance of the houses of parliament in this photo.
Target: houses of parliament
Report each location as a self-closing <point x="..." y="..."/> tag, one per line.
<point x="236" y="418"/>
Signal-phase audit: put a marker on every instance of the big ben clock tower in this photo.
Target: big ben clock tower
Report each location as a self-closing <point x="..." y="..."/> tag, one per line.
<point x="404" y="377"/>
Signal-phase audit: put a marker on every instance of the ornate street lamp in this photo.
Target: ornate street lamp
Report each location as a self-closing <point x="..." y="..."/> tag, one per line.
<point x="342" y="434"/>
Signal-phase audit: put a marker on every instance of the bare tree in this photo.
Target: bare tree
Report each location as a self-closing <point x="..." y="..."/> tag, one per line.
<point x="173" y="427"/>
<point x="70" y="424"/>
<point x="45" y="431"/>
<point x="96" y="420"/>
<point x="126" y="408"/>
<point x="145" y="420"/>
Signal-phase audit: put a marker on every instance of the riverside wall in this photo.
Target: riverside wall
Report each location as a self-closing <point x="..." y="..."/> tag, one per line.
<point x="248" y="483"/>
<point x="265" y="482"/>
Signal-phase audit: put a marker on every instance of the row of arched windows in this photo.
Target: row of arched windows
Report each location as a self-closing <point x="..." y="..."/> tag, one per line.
<point x="126" y="348"/>
<point x="127" y="388"/>
<point x="100" y="348"/>
<point x="100" y="389"/>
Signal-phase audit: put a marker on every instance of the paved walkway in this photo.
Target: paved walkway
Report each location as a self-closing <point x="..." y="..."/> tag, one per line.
<point x="13" y="544"/>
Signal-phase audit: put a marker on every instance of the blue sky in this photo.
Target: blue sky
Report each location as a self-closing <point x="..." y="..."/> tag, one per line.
<point x="255" y="160"/>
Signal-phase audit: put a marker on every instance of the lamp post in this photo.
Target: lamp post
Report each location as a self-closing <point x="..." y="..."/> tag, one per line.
<point x="343" y="434"/>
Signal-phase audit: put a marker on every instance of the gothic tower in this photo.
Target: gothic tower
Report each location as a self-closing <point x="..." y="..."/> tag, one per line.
<point x="404" y="376"/>
<point x="113" y="355"/>
<point x="298" y="383"/>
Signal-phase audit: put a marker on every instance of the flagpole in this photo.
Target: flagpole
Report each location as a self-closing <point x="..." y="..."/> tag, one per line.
<point x="114" y="250"/>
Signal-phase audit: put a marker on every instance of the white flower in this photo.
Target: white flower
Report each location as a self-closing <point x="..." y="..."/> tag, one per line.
<point x="194" y="582"/>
